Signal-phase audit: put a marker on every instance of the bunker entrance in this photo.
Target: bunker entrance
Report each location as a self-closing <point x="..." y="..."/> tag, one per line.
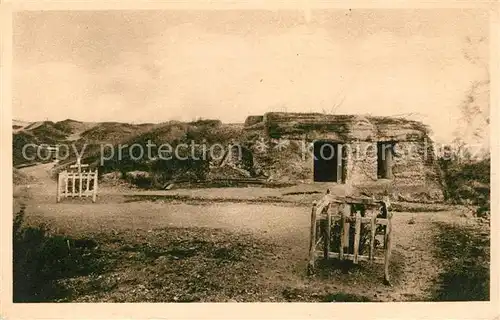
<point x="385" y="153"/>
<point x="329" y="162"/>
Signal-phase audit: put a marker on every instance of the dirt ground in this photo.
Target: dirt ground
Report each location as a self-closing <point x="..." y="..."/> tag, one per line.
<point x="177" y="249"/>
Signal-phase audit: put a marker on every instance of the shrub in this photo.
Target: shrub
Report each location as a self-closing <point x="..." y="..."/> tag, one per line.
<point x="467" y="182"/>
<point x="41" y="259"/>
<point x="465" y="254"/>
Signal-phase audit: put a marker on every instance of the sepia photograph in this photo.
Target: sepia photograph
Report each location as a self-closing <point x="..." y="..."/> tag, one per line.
<point x="312" y="155"/>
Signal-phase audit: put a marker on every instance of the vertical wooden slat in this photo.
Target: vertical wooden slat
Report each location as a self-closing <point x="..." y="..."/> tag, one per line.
<point x="312" y="241"/>
<point x="66" y="182"/>
<point x="373" y="229"/>
<point x="327" y="233"/>
<point x="341" y="245"/>
<point x="347" y="229"/>
<point x="318" y="225"/>
<point x="388" y="244"/>
<point x="357" y="232"/>
<point x="58" y="199"/>
<point x="344" y="230"/>
<point x="94" y="194"/>
<point x="89" y="175"/>
<point x="73" y="185"/>
<point x="80" y="183"/>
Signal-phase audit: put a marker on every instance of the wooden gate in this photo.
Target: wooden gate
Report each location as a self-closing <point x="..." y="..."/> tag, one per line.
<point x="351" y="216"/>
<point x="77" y="183"/>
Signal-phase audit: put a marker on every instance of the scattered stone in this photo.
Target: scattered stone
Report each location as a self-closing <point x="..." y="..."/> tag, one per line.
<point x="162" y="259"/>
<point x="169" y="186"/>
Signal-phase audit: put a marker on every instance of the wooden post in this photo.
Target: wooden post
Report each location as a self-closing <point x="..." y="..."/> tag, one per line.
<point x="94" y="194"/>
<point x="312" y="241"/>
<point x="87" y="189"/>
<point x="327" y="233"/>
<point x="373" y="229"/>
<point x="80" y="183"/>
<point x="347" y="229"/>
<point x="388" y="244"/>
<point x="73" y="185"/>
<point x="344" y="234"/>
<point x="65" y="175"/>
<point x="79" y="171"/>
<point x="357" y="233"/>
<point x="58" y="199"/>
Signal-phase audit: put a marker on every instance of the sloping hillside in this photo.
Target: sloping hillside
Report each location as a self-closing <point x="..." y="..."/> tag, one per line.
<point x="18" y="125"/>
<point x="47" y="131"/>
<point x="113" y="132"/>
<point x="74" y="128"/>
<point x="27" y="140"/>
<point x="68" y="132"/>
<point x="35" y="134"/>
<point x="191" y="165"/>
<point x="97" y="136"/>
<point x="50" y="131"/>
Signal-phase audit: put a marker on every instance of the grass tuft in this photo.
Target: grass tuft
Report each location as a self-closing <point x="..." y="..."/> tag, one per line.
<point x="465" y="254"/>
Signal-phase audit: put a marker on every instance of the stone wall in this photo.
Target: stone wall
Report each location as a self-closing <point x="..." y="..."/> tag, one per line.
<point x="361" y="163"/>
<point x="415" y="174"/>
<point x="311" y="126"/>
<point x="409" y="163"/>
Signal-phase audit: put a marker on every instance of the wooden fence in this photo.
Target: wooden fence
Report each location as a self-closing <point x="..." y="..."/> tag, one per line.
<point x="353" y="217"/>
<point x="77" y="183"/>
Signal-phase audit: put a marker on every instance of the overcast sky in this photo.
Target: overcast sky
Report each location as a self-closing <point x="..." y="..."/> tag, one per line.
<point x="154" y="66"/>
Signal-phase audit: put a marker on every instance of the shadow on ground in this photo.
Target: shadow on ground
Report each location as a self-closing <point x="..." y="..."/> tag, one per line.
<point x="465" y="254"/>
<point x="41" y="260"/>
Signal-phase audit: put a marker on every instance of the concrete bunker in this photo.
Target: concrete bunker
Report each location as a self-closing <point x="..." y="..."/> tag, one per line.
<point x="378" y="154"/>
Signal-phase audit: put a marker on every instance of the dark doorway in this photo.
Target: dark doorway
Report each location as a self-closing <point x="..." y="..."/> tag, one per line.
<point x="385" y="153"/>
<point x="329" y="162"/>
